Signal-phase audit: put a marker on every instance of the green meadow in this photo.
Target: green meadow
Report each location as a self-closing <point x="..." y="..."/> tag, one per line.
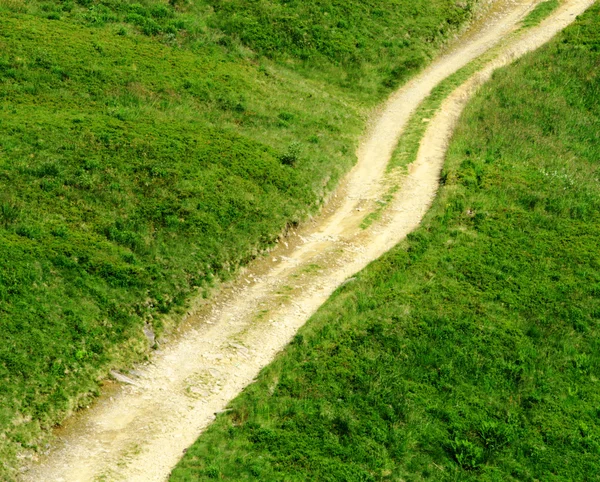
<point x="471" y="351"/>
<point x="148" y="149"/>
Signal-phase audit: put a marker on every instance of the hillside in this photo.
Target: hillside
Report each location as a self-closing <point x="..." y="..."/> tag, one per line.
<point x="470" y="351"/>
<point x="149" y="149"/>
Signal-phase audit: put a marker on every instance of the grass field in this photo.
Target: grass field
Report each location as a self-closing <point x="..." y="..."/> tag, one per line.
<point x="147" y="150"/>
<point x="470" y="351"/>
<point x="367" y="46"/>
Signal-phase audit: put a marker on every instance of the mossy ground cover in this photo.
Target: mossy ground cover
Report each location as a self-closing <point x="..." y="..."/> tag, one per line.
<point x="471" y="351"/>
<point x="146" y="150"/>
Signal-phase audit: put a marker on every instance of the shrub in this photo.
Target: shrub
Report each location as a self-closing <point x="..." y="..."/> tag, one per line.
<point x="290" y="157"/>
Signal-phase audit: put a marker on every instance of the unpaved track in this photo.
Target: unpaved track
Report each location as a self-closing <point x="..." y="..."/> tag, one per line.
<point x="141" y="431"/>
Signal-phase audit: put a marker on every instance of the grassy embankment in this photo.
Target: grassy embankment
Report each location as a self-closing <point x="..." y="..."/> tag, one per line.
<point x="146" y="150"/>
<point x="471" y="351"/>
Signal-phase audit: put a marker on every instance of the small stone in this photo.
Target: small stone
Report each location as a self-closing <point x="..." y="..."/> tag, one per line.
<point x="122" y="378"/>
<point x="349" y="280"/>
<point x="149" y="332"/>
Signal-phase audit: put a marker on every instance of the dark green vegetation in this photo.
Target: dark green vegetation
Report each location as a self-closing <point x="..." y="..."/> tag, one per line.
<point x="365" y="45"/>
<point x="145" y="150"/>
<point x="472" y="350"/>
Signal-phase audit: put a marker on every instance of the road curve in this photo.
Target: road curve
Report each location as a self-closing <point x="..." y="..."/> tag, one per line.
<point x="139" y="432"/>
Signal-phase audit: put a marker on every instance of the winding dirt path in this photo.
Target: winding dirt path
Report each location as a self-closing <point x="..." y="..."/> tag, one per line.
<point x="139" y="432"/>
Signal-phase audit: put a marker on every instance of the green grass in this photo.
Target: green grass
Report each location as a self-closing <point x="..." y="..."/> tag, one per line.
<point x="146" y="152"/>
<point x="367" y="47"/>
<point x="470" y="351"/>
<point x="540" y="12"/>
<point x="364" y="45"/>
<point x="408" y="145"/>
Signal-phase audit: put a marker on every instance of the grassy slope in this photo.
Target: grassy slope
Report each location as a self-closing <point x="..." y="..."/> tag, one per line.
<point x="365" y="45"/>
<point x="471" y="351"/>
<point x="144" y="152"/>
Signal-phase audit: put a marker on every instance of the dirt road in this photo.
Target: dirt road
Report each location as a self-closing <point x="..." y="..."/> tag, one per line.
<point x="139" y="432"/>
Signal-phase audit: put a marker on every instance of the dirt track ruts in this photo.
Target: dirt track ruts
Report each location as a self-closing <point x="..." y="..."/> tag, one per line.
<point x="140" y="432"/>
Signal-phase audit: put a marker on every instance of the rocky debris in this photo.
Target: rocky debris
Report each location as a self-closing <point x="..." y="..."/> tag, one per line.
<point x="122" y="378"/>
<point x="240" y="348"/>
<point x="223" y="411"/>
<point x="349" y="280"/>
<point x="149" y="332"/>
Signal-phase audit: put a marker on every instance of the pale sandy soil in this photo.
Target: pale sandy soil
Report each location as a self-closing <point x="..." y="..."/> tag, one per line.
<point x="139" y="432"/>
